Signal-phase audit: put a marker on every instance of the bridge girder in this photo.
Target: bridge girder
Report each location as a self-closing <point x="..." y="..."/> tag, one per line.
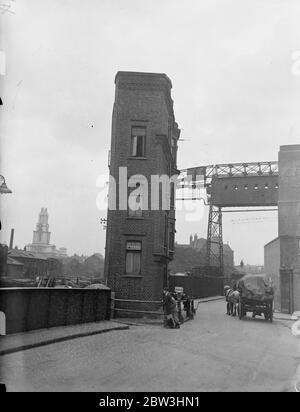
<point x="230" y="185"/>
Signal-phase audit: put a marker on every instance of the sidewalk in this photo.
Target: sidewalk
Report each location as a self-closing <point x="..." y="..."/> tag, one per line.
<point x="203" y="300"/>
<point x="283" y="316"/>
<point x="27" y="340"/>
<point x="159" y="320"/>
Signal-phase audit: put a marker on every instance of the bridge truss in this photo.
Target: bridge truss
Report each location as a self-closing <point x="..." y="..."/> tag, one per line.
<point x="228" y="185"/>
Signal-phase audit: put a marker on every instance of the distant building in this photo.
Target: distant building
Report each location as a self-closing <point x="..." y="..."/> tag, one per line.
<point x="41" y="239"/>
<point x="197" y="243"/>
<point x="251" y="269"/>
<point x="200" y="245"/>
<point x="192" y="257"/>
<point x="80" y="258"/>
<point x="21" y="263"/>
<point x="14" y="268"/>
<point x="62" y="252"/>
<point x="185" y="258"/>
<point x="3" y="259"/>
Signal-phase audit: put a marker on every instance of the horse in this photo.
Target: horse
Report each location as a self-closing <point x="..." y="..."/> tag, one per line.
<point x="232" y="297"/>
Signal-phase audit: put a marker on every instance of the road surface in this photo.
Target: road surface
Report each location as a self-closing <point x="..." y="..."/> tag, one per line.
<point x="214" y="352"/>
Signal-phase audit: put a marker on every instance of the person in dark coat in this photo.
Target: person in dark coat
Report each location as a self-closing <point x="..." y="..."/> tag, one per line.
<point x="168" y="307"/>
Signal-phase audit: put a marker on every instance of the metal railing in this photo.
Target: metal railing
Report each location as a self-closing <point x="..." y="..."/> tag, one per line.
<point x="149" y="312"/>
<point x="188" y="307"/>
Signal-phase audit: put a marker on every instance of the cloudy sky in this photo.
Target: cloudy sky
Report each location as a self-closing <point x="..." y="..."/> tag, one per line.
<point x="235" y="98"/>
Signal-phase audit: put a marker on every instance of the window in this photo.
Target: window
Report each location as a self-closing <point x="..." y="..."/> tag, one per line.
<point x="136" y="209"/>
<point x="138" y="141"/>
<point x="133" y="257"/>
<point x="137" y="200"/>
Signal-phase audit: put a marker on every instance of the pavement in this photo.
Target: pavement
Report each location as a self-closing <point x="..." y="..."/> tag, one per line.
<point x="158" y="320"/>
<point x="213" y="352"/>
<point x="40" y="337"/>
<point x="27" y="340"/>
<point x="283" y="316"/>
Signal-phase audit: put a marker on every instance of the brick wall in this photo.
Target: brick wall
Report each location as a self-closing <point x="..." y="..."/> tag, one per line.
<point x="141" y="99"/>
<point x="272" y="267"/>
<point x="289" y="213"/>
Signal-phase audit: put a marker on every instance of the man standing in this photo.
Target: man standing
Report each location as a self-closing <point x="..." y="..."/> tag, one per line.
<point x="174" y="311"/>
<point x="170" y="308"/>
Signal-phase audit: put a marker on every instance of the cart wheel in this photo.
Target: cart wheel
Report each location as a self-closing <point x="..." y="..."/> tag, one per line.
<point x="271" y="315"/>
<point x="270" y="312"/>
<point x="240" y="310"/>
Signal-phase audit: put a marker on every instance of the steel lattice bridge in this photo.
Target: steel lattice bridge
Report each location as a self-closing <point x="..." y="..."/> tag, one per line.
<point x="231" y="185"/>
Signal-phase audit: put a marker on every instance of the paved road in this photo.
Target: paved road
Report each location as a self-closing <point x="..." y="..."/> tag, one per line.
<point x="212" y="353"/>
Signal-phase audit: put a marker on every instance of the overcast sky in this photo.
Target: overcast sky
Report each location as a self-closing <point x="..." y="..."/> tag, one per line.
<point x="235" y="99"/>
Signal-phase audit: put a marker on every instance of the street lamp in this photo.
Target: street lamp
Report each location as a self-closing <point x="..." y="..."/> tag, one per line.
<point x="3" y="187"/>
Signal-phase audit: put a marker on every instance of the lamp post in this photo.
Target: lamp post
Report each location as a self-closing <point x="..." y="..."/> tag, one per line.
<point x="3" y="189"/>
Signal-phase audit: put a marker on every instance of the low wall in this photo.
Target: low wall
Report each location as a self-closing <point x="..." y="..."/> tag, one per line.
<point x="197" y="287"/>
<point x="37" y="308"/>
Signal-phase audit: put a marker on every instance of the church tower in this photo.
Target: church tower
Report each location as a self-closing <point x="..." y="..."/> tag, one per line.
<point x="42" y="234"/>
<point x="41" y="238"/>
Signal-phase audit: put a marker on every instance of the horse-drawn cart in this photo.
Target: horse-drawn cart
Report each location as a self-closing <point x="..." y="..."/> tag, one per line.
<point x="256" y="296"/>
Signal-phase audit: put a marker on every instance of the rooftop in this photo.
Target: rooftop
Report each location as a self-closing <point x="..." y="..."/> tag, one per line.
<point x="11" y="261"/>
<point x="143" y="76"/>
<point x="288" y="148"/>
<point x="20" y="253"/>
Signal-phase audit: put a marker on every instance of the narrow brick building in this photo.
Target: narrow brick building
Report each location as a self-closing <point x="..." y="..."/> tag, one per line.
<point x="140" y="241"/>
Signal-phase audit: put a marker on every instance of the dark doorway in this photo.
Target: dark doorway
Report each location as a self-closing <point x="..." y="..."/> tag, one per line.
<point x="286" y="290"/>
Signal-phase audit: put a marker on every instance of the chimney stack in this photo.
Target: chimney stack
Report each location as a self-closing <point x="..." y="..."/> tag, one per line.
<point x="11" y="241"/>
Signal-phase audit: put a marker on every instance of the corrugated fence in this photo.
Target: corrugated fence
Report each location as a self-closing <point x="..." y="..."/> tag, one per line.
<point x="37" y="308"/>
